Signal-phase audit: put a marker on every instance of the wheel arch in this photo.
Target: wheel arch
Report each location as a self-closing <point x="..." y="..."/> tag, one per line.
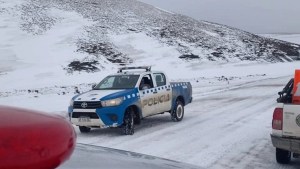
<point x="180" y="98"/>
<point x="137" y="111"/>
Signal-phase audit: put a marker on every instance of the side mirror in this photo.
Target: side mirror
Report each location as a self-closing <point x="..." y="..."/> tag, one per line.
<point x="279" y="93"/>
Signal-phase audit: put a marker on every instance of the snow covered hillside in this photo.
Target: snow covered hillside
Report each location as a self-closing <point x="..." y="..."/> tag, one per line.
<point x="53" y="42"/>
<point x="118" y="26"/>
<point x="294" y="38"/>
<point x="129" y="32"/>
<point x="50" y="47"/>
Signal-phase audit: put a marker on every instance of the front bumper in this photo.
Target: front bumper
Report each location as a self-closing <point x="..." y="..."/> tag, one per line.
<point x="290" y="144"/>
<point x="100" y="118"/>
<point x="91" y="123"/>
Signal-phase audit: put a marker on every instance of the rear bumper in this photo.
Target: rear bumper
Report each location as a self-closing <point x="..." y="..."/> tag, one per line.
<point x="290" y="144"/>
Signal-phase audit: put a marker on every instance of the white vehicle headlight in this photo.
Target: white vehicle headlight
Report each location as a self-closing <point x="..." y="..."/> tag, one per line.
<point x="112" y="102"/>
<point x="71" y="102"/>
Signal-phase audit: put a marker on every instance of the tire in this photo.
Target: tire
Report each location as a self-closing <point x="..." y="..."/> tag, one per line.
<point x="137" y="120"/>
<point x="128" y="122"/>
<point x="283" y="156"/>
<point x="84" y="129"/>
<point x="178" y="113"/>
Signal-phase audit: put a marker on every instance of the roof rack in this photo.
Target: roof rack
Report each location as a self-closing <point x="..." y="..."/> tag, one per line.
<point x="147" y="68"/>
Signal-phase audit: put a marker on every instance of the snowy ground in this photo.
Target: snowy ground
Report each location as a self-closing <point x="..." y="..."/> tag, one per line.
<point x="227" y="125"/>
<point x="227" y="129"/>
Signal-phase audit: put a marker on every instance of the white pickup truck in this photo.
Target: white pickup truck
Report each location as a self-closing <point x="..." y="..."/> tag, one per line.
<point x="286" y="125"/>
<point x="124" y="98"/>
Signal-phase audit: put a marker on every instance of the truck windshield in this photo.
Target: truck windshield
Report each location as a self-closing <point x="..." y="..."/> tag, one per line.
<point x="117" y="82"/>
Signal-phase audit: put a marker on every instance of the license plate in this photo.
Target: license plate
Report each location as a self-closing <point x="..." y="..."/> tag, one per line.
<point x="84" y="119"/>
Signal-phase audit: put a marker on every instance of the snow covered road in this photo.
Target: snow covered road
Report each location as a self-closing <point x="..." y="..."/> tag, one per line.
<point x="227" y="129"/>
<point x="227" y="125"/>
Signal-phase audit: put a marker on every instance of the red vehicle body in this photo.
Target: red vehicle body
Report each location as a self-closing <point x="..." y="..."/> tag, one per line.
<point x="34" y="140"/>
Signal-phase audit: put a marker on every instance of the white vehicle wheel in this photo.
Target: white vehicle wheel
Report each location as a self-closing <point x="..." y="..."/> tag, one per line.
<point x="178" y="112"/>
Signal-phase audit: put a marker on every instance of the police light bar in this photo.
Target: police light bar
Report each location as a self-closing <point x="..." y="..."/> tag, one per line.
<point x="147" y="68"/>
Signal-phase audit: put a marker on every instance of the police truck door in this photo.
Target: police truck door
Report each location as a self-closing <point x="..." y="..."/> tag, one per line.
<point x="147" y="95"/>
<point x="164" y="92"/>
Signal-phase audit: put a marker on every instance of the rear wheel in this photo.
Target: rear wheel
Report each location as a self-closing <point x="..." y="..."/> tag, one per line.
<point x="178" y="113"/>
<point x="84" y="129"/>
<point x="283" y="156"/>
<point x="128" y="125"/>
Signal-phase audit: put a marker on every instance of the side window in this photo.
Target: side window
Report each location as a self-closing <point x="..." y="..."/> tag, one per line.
<point x="160" y="79"/>
<point x="146" y="82"/>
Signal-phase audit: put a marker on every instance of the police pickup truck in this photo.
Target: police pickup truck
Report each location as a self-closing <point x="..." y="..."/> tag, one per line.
<point x="124" y="98"/>
<point x="286" y="122"/>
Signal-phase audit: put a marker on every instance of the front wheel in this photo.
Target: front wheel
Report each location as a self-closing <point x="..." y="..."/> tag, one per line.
<point x="84" y="129"/>
<point x="283" y="156"/>
<point x="128" y="125"/>
<point x="178" y="113"/>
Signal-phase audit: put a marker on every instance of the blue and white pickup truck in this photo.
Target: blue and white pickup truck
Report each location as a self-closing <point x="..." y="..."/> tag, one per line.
<point x="124" y="98"/>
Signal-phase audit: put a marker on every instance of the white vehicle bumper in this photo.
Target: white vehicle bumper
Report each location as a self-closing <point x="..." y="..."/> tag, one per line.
<point x="90" y="119"/>
<point x="91" y="123"/>
<point x="290" y="144"/>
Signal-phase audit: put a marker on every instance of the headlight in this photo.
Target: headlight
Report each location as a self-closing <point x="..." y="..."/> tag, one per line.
<point x="112" y="102"/>
<point x="71" y="102"/>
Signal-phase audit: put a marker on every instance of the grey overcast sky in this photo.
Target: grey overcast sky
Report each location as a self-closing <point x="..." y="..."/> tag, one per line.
<point x="256" y="16"/>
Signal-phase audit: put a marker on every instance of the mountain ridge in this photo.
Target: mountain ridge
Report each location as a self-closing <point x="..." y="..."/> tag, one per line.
<point x="192" y="40"/>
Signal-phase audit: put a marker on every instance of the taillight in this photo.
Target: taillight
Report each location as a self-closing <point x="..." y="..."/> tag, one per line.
<point x="277" y="119"/>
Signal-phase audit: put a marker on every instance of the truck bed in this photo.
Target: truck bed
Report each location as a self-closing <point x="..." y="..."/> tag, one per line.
<point x="291" y="120"/>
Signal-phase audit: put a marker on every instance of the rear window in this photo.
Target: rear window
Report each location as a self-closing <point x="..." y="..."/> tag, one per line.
<point x="160" y="79"/>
